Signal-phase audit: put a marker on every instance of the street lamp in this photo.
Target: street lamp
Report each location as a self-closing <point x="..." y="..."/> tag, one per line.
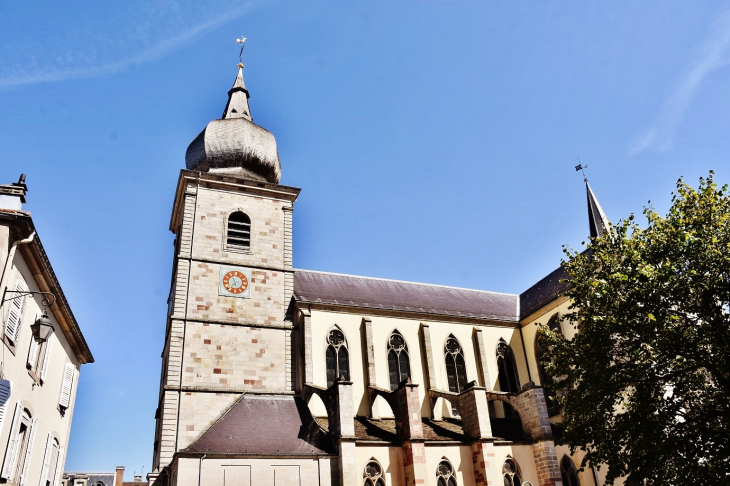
<point x="42" y="328"/>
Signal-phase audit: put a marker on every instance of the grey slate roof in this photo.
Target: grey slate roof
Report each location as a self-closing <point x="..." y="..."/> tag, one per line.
<point x="396" y="295"/>
<point x="543" y="292"/>
<point x="279" y="424"/>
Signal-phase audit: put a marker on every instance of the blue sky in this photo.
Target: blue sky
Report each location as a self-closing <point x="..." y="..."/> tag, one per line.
<point x="434" y="142"/>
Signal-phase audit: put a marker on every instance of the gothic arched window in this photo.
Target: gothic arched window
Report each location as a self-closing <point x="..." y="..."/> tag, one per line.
<point x="455" y="368"/>
<point x="445" y="474"/>
<point x="509" y="381"/>
<point x="399" y="368"/>
<point x="337" y="357"/>
<point x="569" y="472"/>
<point x="455" y="365"/>
<point x="373" y="474"/>
<point x="545" y="379"/>
<point x="511" y="473"/>
<point x="239" y="231"/>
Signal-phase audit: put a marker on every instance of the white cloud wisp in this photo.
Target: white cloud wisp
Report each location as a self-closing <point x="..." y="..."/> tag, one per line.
<point x="155" y="47"/>
<point x="714" y="54"/>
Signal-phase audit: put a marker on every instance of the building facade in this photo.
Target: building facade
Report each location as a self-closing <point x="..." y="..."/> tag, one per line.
<point x="38" y="379"/>
<point x="278" y="376"/>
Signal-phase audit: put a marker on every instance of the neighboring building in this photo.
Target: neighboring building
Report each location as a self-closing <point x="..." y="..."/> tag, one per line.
<point x="115" y="478"/>
<point x="38" y="382"/>
<point x="91" y="478"/>
<point x="272" y="375"/>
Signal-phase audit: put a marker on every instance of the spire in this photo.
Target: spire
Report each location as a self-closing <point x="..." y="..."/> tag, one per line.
<point x="237" y="106"/>
<point x="596" y="217"/>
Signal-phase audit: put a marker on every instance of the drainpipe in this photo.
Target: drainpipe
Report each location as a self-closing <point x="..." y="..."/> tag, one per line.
<point x="3" y="280"/>
<point x="200" y="468"/>
<point x="11" y="256"/>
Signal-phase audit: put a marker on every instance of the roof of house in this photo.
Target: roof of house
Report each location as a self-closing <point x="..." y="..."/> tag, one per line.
<point x="36" y="259"/>
<point x="376" y="293"/>
<point x="264" y="424"/>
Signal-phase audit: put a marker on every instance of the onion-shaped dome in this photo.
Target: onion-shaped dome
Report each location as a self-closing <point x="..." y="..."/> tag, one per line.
<point x="234" y="144"/>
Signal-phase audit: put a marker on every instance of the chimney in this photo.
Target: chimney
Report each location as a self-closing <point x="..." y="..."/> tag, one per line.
<point x="12" y="196"/>
<point x="119" y="476"/>
<point x="138" y="479"/>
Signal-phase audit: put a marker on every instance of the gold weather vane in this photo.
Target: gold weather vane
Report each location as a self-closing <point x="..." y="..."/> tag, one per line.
<point x="241" y="41"/>
<point x="580" y="167"/>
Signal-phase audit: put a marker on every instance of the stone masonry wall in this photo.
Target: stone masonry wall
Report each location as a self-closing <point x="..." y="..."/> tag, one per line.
<point x="265" y="307"/>
<point x="267" y="228"/>
<point x="239" y="357"/>
<point x="198" y="411"/>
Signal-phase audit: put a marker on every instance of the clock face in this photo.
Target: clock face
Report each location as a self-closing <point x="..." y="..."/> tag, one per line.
<point x="235" y="282"/>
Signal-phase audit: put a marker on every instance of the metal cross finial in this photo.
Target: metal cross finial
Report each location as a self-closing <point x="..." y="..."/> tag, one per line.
<point x="241" y="41"/>
<point x="580" y="167"/>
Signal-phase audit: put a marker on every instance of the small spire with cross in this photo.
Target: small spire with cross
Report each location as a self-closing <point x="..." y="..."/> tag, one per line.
<point x="241" y="41"/>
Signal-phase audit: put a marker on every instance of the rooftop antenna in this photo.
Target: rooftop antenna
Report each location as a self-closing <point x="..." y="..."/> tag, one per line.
<point x="241" y="41"/>
<point x="580" y="168"/>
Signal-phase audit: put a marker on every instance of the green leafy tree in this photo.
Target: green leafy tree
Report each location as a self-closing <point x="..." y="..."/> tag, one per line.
<point x="645" y="382"/>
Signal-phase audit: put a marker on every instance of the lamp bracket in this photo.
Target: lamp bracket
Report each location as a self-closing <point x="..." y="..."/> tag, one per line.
<point x="23" y="293"/>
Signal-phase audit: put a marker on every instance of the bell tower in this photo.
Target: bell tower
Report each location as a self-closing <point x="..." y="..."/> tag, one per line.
<point x="228" y="332"/>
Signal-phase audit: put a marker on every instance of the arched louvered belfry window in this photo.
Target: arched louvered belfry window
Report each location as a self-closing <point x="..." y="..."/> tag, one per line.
<point x="569" y="472"/>
<point x="399" y="366"/>
<point x="445" y="474"/>
<point x="373" y="474"/>
<point x="337" y="357"/>
<point x="238" y="233"/>
<point x="545" y="379"/>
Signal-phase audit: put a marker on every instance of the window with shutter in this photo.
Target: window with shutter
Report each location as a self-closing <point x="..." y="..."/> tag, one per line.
<point x="5" y="387"/>
<point x="48" y="462"/>
<point x="66" y="386"/>
<point x="46" y="358"/>
<point x="38" y="356"/>
<point x="11" y="452"/>
<point x="59" y="468"/>
<point x="16" y="311"/>
<point x="33" y="354"/>
<point x="28" y="452"/>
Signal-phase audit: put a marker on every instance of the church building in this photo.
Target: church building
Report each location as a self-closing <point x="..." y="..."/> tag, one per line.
<point x="273" y="375"/>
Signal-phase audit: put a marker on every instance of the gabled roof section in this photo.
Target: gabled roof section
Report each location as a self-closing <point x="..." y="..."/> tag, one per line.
<point x="395" y="295"/>
<point x="258" y="424"/>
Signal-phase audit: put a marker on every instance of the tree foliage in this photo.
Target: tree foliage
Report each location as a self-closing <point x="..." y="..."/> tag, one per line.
<point x="645" y="382"/>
